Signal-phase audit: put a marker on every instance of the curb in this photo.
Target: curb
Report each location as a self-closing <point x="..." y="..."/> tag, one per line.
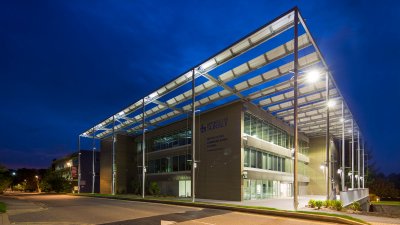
<point x="4" y="219"/>
<point x="280" y="213"/>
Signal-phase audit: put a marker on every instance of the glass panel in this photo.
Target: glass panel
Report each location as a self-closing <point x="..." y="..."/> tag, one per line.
<point x="175" y="163"/>
<point x="253" y="189"/>
<point x="253" y="158"/>
<point x="246" y="189"/>
<point x="188" y="162"/>
<point x="246" y="157"/>
<point x="259" y="160"/>
<point x="258" y="189"/>
<point x="182" y="162"/>
<point x="247" y="123"/>
<point x="264" y="161"/>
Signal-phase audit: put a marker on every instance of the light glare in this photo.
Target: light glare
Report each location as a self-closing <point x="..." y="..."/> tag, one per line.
<point x="331" y="103"/>
<point x="312" y="76"/>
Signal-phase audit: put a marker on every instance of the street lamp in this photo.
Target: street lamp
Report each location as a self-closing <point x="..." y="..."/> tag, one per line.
<point x="37" y="183"/>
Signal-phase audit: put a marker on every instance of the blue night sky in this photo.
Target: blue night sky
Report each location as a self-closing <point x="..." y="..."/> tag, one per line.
<point x="66" y="65"/>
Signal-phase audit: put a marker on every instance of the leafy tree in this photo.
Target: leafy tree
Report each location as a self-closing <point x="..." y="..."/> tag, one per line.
<point x="54" y="181"/>
<point x="5" y="179"/>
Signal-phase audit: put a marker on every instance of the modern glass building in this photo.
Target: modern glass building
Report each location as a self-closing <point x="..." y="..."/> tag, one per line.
<point x="269" y="121"/>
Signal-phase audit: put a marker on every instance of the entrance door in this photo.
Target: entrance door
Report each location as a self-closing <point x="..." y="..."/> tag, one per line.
<point x="185" y="188"/>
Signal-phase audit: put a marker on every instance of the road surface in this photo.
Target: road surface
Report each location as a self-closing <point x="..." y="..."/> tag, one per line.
<point x="67" y="209"/>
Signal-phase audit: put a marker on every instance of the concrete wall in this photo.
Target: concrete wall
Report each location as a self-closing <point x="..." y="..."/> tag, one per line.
<point x="219" y="172"/>
<point x="105" y="165"/>
<point x="317" y="155"/>
<point x="125" y="158"/>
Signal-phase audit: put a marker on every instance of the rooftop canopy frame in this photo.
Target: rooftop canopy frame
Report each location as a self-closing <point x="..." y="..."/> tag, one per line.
<point x="259" y="69"/>
<point x="264" y="80"/>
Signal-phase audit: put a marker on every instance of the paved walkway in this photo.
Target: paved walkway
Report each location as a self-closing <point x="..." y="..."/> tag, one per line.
<point x="287" y="204"/>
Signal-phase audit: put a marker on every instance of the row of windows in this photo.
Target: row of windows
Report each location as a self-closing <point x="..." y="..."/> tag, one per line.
<point x="261" y="189"/>
<point x="267" y="132"/>
<point x="175" y="139"/>
<point x="262" y="160"/>
<point x="170" y="164"/>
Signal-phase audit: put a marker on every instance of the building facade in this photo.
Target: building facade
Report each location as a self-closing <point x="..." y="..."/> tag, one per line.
<point x="68" y="167"/>
<point x="243" y="153"/>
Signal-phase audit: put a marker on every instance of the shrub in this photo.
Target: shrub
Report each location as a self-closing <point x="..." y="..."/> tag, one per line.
<point x="311" y="203"/>
<point x="355" y="206"/>
<point x="337" y="204"/>
<point x="373" y="198"/>
<point x="154" y="189"/>
<point x="318" y="204"/>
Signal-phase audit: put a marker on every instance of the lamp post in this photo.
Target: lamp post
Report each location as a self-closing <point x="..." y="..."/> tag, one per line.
<point x="37" y="183"/>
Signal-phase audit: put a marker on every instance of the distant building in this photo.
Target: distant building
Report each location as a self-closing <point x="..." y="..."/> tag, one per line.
<point x="68" y="166"/>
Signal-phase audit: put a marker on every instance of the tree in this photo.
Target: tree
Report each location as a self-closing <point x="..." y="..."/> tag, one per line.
<point x="54" y="181"/>
<point x="5" y="179"/>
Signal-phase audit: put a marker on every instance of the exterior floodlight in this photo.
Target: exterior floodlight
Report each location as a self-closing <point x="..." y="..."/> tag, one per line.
<point x="37" y="177"/>
<point x="339" y="171"/>
<point x="331" y="103"/>
<point x="14" y="173"/>
<point x="68" y="164"/>
<point x="312" y="76"/>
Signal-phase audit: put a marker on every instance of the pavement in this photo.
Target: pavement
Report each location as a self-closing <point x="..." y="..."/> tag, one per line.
<point x="287" y="204"/>
<point x="67" y="210"/>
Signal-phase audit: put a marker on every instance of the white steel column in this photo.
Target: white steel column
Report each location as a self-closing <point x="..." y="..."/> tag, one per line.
<point x="358" y="159"/>
<point x="295" y="120"/>
<point x="113" y="169"/>
<point x="352" y="153"/>
<point x="328" y="166"/>
<point x="93" y="165"/>
<point x="343" y="149"/>
<point x="193" y="138"/>
<point x="363" y="169"/>
<point x="79" y="164"/>
<point x="143" y="149"/>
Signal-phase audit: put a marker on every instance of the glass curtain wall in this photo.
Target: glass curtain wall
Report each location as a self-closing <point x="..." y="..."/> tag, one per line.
<point x="262" y="189"/>
<point x="170" y="164"/>
<point x="258" y="128"/>
<point x="175" y="139"/>
<point x="262" y="160"/>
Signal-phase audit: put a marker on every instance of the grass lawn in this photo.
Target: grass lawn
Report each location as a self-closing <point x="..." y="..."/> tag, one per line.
<point x="386" y="203"/>
<point x="3" y="207"/>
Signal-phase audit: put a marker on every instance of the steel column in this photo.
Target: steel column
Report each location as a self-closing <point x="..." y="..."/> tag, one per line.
<point x="93" y="164"/>
<point x="343" y="149"/>
<point x="358" y="159"/>
<point x="295" y="114"/>
<point x="143" y="148"/>
<point x="363" y="165"/>
<point x="328" y="166"/>
<point x="193" y="138"/>
<point x="79" y="163"/>
<point x="113" y="159"/>
<point x="352" y="154"/>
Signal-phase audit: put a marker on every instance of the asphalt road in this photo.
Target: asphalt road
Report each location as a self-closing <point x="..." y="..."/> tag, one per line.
<point x="66" y="209"/>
